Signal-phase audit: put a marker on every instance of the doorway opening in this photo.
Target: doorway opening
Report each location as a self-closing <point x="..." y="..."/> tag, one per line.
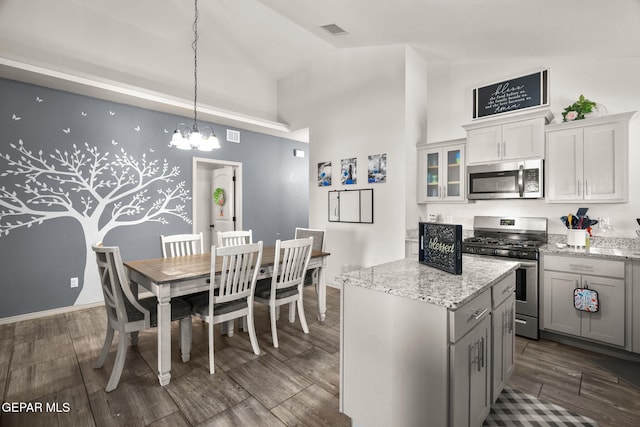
<point x="224" y="212"/>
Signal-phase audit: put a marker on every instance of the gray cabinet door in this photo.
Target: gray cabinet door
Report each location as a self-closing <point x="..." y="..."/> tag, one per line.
<point x="606" y="325"/>
<point x="503" y="345"/>
<point x="470" y="377"/>
<point x="559" y="313"/>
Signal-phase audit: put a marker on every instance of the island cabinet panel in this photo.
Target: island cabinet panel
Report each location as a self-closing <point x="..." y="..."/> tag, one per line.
<point x="393" y="360"/>
<point x="503" y="334"/>
<point x="470" y="376"/>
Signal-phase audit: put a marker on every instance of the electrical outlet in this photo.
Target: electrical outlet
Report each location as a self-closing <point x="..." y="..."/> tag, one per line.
<point x="73" y="282"/>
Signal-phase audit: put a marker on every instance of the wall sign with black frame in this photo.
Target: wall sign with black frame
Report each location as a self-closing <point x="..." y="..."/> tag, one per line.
<point x="507" y="96"/>
<point x="351" y="206"/>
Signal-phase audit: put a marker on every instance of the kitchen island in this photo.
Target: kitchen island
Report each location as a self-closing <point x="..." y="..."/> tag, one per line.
<point x="423" y="347"/>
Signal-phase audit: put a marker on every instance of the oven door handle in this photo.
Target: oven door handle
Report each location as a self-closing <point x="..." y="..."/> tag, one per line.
<point x="527" y="264"/>
<point x="521" y="180"/>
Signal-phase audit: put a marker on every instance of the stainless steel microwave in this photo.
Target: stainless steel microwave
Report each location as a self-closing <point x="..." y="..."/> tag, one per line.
<point x="506" y="180"/>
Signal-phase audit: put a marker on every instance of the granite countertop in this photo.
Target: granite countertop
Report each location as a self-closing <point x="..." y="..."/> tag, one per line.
<point x="409" y="279"/>
<point x="601" y="247"/>
<point x="620" y="248"/>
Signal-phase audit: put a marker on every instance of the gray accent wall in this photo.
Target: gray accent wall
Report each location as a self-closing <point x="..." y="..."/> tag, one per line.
<point x="37" y="260"/>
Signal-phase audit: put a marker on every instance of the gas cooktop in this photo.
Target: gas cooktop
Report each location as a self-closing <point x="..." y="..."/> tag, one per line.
<point x="513" y="237"/>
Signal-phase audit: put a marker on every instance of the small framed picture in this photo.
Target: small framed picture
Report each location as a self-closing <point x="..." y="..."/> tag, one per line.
<point x="349" y="171"/>
<point x="324" y="174"/>
<point x="377" y="169"/>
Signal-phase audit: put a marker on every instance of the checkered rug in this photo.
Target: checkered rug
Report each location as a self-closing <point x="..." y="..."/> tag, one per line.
<point x="514" y="408"/>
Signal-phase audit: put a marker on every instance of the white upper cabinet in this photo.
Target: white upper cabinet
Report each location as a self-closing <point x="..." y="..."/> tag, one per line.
<point x="441" y="172"/>
<point x="588" y="160"/>
<point x="508" y="138"/>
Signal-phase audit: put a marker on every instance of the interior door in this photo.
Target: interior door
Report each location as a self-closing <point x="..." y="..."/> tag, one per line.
<point x="222" y="201"/>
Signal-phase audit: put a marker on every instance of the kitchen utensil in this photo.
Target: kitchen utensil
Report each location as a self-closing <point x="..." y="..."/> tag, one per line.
<point x="581" y="212"/>
<point x="570" y="220"/>
<point x="638" y="219"/>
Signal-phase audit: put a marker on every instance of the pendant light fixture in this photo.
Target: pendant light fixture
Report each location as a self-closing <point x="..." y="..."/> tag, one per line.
<point x="195" y="138"/>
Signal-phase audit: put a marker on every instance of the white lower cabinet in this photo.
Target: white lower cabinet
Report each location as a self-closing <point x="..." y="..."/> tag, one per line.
<point x="504" y="344"/>
<point x="470" y="376"/>
<point x="562" y="275"/>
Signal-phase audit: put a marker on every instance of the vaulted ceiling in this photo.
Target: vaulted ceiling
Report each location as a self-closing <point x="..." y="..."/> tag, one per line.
<point x="146" y="44"/>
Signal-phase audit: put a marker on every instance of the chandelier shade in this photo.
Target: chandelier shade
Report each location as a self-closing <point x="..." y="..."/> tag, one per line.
<point x="185" y="138"/>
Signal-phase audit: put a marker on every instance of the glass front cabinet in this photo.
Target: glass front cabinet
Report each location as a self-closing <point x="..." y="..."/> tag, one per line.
<point x="441" y="172"/>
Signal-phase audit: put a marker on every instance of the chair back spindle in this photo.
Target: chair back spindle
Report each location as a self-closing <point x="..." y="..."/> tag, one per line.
<point x="181" y="245"/>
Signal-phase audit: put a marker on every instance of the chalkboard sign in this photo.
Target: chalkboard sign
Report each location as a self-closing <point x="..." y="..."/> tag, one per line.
<point x="507" y="96"/>
<point x="441" y="246"/>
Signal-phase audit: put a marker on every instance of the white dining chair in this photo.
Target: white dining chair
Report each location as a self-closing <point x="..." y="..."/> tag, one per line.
<point x="236" y="237"/>
<point x="181" y="244"/>
<point x="231" y="291"/>
<point x="289" y="268"/>
<point x="312" y="277"/>
<point x="129" y="315"/>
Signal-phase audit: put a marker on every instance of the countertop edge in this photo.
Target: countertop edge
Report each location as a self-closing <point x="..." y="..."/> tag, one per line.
<point x="438" y="301"/>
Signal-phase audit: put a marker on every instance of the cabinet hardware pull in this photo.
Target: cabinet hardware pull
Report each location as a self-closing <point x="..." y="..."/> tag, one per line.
<point x="522" y="322"/>
<point x="481" y="352"/>
<point x="478" y="314"/>
<point x="587" y="191"/>
<point x="581" y="266"/>
<point x="498" y="150"/>
<point x="509" y="290"/>
<point x="511" y="322"/>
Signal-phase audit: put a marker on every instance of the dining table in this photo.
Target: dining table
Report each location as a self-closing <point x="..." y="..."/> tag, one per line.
<point x="171" y="277"/>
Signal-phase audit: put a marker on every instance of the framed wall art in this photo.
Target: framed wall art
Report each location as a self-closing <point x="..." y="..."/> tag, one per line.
<point x="349" y="171"/>
<point x="377" y="169"/>
<point x="324" y="174"/>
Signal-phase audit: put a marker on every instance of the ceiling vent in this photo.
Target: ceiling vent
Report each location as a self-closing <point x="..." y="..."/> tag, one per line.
<point x="333" y="29"/>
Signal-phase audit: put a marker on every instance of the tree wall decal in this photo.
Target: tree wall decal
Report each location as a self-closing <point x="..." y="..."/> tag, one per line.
<point x="100" y="190"/>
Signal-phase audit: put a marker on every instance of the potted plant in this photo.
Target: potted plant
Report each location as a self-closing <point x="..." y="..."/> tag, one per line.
<point x="578" y="109"/>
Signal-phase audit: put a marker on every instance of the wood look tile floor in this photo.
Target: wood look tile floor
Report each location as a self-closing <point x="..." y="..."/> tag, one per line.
<point x="50" y="360"/>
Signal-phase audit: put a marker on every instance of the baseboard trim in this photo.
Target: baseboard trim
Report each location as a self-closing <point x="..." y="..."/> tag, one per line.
<point x="334" y="285"/>
<point x="45" y="313"/>
<point x="591" y="346"/>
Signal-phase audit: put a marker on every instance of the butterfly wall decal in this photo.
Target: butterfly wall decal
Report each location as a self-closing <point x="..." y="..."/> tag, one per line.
<point x="67" y="130"/>
<point x="38" y="99"/>
<point x="137" y="128"/>
<point x="16" y="118"/>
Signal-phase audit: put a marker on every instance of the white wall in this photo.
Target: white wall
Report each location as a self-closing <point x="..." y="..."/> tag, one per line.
<point x="355" y="105"/>
<point x="610" y="81"/>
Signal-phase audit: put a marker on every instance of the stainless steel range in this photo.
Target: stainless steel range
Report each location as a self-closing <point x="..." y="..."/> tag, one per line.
<point x="517" y="238"/>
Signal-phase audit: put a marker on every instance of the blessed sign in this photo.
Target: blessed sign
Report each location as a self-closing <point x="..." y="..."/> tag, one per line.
<point x="441" y="246"/>
<point x="511" y="95"/>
